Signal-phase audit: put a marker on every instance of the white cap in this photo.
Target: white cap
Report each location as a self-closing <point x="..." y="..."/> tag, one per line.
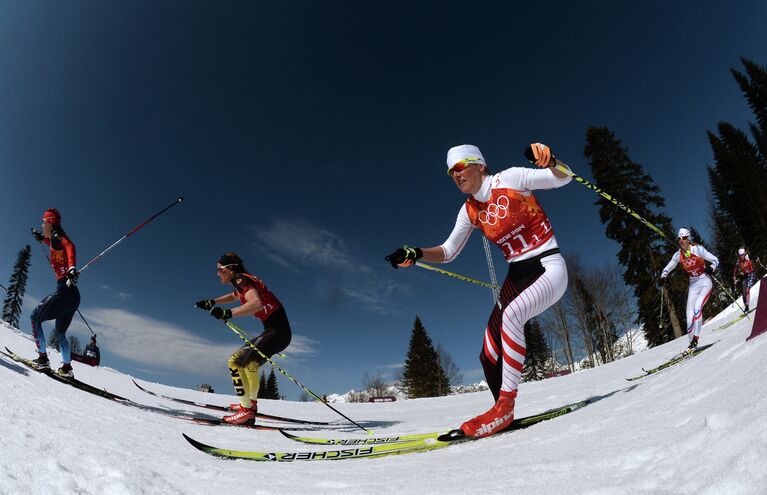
<point x="683" y="232"/>
<point x="464" y="152"/>
<point x="741" y="252"/>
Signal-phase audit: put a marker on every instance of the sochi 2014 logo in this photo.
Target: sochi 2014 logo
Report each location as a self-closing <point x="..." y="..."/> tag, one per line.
<point x="495" y="211"/>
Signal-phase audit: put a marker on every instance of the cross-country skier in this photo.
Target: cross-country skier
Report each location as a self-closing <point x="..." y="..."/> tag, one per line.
<point x="744" y="269"/>
<point x="62" y="304"/>
<point x="693" y="258"/>
<point x="257" y="300"/>
<point x="503" y="207"/>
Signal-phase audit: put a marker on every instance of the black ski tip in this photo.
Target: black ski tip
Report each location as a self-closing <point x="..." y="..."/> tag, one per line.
<point x="142" y="388"/>
<point x="195" y="443"/>
<point x="452" y="436"/>
<point x="288" y="435"/>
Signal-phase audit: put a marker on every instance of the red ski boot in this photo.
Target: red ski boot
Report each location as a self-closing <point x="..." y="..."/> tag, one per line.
<point x="243" y="416"/>
<point x="237" y="407"/>
<point x="498" y="418"/>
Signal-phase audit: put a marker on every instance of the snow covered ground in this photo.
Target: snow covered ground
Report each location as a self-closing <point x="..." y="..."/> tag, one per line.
<point x="697" y="428"/>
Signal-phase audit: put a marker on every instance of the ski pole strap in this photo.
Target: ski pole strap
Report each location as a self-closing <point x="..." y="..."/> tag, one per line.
<point x="243" y="335"/>
<point x="455" y="275"/>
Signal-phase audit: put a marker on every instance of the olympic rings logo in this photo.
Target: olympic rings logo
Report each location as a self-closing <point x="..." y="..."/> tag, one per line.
<point x="495" y="211"/>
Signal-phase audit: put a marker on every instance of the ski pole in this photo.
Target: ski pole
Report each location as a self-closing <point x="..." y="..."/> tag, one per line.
<point x="729" y="294"/>
<point x="455" y="275"/>
<point x="760" y="264"/>
<point x="244" y="336"/>
<point x="563" y="167"/>
<point x="86" y="322"/>
<point x="179" y="200"/>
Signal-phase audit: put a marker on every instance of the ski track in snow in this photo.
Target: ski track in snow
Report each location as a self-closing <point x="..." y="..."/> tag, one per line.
<point x="695" y="428"/>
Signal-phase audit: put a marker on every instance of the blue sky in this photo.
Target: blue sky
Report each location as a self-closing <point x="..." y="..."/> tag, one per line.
<point x="310" y="138"/>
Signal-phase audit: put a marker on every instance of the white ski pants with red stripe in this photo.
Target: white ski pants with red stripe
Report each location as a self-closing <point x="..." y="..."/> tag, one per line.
<point x="697" y="295"/>
<point x="531" y="286"/>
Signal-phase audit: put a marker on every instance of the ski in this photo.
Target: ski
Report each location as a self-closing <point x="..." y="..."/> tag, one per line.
<point x="207" y="421"/>
<point x="681" y="357"/>
<point x="69" y="381"/>
<point x="216" y="407"/>
<point x="517" y="424"/>
<point x="405" y="444"/>
<point x="733" y="321"/>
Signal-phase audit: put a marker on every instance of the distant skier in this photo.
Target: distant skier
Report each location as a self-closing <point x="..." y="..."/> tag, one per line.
<point x="62" y="304"/>
<point x="693" y="258"/>
<point x="257" y="300"/>
<point x="744" y="270"/>
<point x="503" y="207"/>
<point x="92" y="352"/>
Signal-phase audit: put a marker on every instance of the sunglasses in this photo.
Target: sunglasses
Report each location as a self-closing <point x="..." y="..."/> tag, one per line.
<point x="462" y="165"/>
<point x="219" y="269"/>
<point x="685" y="238"/>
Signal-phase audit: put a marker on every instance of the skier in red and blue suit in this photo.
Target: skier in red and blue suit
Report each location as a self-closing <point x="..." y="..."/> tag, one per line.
<point x="62" y="304"/>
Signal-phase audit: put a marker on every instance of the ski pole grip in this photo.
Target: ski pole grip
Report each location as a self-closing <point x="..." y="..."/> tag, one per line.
<point x="531" y="157"/>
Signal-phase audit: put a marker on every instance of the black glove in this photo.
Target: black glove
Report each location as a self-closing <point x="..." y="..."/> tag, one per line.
<point x="404" y="256"/>
<point x="220" y="313"/>
<point x="205" y="304"/>
<point x="709" y="269"/>
<point x="72" y="274"/>
<point x="662" y="281"/>
<point x="37" y="235"/>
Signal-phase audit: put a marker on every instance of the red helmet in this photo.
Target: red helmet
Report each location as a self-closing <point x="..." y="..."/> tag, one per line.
<point x="52" y="216"/>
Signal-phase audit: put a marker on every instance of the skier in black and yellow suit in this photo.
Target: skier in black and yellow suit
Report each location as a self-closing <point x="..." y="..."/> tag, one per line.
<point x="257" y="300"/>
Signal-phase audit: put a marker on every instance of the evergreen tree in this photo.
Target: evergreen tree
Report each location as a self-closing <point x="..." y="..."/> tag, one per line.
<point x="643" y="253"/>
<point x="262" y="387"/>
<point x="272" y="391"/>
<point x="739" y="176"/>
<point x="17" y="286"/>
<point x="538" y="353"/>
<point x="423" y="376"/>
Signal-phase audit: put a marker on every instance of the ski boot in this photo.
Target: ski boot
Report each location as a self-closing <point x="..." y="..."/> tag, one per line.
<point x="237" y="407"/>
<point x="693" y="345"/>
<point x="41" y="363"/>
<point x="498" y="418"/>
<point x="66" y="371"/>
<point x="746" y="310"/>
<point x="243" y="417"/>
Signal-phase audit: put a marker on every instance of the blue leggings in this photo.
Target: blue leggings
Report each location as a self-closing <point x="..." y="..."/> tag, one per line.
<point x="60" y="306"/>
